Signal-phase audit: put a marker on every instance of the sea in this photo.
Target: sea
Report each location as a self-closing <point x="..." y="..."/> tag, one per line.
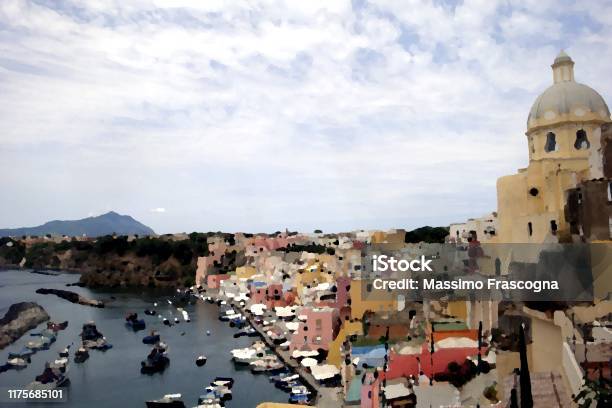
<point x="112" y="378"/>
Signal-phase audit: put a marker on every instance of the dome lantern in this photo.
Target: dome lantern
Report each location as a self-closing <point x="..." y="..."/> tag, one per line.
<point x="563" y="68"/>
<point x="566" y="101"/>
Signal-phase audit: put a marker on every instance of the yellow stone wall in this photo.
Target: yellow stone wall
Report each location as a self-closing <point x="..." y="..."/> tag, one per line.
<point x="348" y="328"/>
<point x="360" y="303"/>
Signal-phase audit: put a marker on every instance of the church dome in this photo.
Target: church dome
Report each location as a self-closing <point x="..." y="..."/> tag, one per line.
<point x="566" y="99"/>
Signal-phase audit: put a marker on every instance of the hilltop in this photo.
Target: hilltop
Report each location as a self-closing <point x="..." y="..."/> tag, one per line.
<point x="105" y="224"/>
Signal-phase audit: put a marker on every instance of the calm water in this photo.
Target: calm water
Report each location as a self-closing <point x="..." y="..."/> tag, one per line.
<point x="112" y="378"/>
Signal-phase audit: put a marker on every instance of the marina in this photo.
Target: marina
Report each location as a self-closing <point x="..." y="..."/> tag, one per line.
<point x="94" y="375"/>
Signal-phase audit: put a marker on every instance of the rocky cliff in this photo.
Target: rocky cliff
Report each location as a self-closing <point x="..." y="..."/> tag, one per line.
<point x="20" y="318"/>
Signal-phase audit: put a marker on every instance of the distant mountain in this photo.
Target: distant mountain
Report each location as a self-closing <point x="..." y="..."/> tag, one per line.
<point x="104" y="224"/>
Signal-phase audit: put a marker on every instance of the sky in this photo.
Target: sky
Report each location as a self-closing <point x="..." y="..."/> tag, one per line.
<point x="264" y="115"/>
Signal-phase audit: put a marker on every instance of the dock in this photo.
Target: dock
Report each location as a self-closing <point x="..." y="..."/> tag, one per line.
<point x="323" y="396"/>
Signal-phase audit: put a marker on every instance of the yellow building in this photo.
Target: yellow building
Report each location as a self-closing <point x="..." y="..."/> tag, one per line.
<point x="363" y="301"/>
<point x="245" y="272"/>
<point x="561" y="126"/>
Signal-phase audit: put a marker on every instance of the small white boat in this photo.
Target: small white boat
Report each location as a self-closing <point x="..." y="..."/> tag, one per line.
<point x="17" y="362"/>
<point x="300" y="390"/>
<point x="168" y="400"/>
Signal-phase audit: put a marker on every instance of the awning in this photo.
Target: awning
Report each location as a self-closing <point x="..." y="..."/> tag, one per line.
<point x="304" y="353"/>
<point x="309" y="362"/>
<point x="324" y="372"/>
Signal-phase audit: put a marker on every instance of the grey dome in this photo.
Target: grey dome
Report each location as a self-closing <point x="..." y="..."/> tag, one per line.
<point x="564" y="97"/>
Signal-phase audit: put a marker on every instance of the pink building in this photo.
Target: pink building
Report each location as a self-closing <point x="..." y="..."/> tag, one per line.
<point x="270" y="295"/>
<point x="214" y="281"/>
<point x="258" y="294"/>
<point x="370" y="388"/>
<point x="318" y="330"/>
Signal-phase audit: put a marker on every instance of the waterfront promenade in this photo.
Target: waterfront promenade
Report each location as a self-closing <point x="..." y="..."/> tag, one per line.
<point x="324" y="396"/>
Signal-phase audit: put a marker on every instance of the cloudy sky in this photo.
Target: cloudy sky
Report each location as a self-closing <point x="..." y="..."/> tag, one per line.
<point x="261" y="115"/>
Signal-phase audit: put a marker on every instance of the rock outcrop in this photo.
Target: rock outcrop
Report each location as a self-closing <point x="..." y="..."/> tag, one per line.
<point x="71" y="297"/>
<point x="20" y="318"/>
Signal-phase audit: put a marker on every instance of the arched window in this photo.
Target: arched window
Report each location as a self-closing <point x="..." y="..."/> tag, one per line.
<point x="551" y="143"/>
<point x="581" y="140"/>
<point x="530" y="228"/>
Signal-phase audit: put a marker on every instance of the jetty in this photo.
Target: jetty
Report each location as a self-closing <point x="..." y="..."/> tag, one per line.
<point x="322" y="396"/>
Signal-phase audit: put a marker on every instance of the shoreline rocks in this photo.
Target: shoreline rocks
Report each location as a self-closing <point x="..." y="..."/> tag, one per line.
<point x="20" y="318"/>
<point x="71" y="297"/>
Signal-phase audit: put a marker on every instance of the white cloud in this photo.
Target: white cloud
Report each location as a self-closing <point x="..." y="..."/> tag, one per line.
<point x="265" y="114"/>
<point x="158" y="210"/>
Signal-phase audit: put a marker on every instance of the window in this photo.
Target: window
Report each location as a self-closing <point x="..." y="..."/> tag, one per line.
<point x="530" y="228"/>
<point x="551" y="143"/>
<point x="609" y="191"/>
<point x="533" y="191"/>
<point x="553" y="227"/>
<point x="318" y="324"/>
<point x="581" y="140"/>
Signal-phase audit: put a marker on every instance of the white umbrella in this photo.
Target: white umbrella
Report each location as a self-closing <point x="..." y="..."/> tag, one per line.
<point x="309" y="362"/>
<point x="304" y="353"/>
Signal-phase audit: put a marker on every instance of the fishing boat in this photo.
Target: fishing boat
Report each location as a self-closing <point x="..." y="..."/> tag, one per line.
<point x="133" y="322"/>
<point x="268" y="363"/>
<point x="244" y="356"/>
<point x="186" y="316"/>
<point x="81" y="355"/>
<point x="220" y="389"/>
<point x="200" y="361"/>
<point x="18" y="363"/>
<point x="151" y="338"/>
<point x="284" y="379"/>
<point x="206" y="401"/>
<point x="225" y="381"/>
<point x="65" y="352"/>
<point x="52" y="377"/>
<point x="93" y="337"/>
<point x="57" y="326"/>
<point x="23" y="353"/>
<point x="156" y="361"/>
<point x="167" y="401"/>
<point x="60" y="364"/>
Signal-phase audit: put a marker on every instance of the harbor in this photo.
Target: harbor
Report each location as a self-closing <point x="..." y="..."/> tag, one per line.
<point x="113" y="378"/>
<point x="319" y="394"/>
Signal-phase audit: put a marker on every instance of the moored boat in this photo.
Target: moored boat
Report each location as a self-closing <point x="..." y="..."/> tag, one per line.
<point x="132" y="321"/>
<point x="65" y="352"/>
<point x="167" y="401"/>
<point x="18" y="363"/>
<point x="151" y="338"/>
<point x="200" y="361"/>
<point x="156" y="361"/>
<point x="81" y="355"/>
